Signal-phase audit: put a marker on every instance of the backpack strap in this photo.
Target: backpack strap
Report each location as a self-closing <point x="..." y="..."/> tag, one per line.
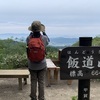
<point x="31" y="35"/>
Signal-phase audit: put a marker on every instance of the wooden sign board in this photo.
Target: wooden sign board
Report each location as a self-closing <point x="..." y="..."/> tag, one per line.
<point x="80" y="63"/>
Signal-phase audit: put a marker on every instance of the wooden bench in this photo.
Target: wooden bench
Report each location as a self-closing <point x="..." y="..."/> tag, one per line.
<point x="16" y="74"/>
<point x="51" y="67"/>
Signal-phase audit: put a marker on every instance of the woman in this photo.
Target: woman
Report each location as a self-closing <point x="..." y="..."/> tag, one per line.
<point x="37" y="70"/>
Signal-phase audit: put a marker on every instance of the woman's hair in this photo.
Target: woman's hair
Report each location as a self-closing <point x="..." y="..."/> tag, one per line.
<point x="36" y="34"/>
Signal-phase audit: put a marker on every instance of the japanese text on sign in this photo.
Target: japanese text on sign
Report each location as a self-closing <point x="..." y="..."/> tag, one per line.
<point x="81" y="62"/>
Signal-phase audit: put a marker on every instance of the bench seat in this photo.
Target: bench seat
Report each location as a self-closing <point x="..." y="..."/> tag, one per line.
<point x="51" y="67"/>
<point x="16" y="73"/>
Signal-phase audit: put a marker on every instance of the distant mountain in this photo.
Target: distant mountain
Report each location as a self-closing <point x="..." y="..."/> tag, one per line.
<point x="13" y="35"/>
<point x="61" y="41"/>
<point x="58" y="41"/>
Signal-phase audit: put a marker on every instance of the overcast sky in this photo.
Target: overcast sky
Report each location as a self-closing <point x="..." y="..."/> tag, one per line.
<point x="66" y="18"/>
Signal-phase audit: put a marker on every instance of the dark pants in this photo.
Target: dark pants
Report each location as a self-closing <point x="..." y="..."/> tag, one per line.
<point x="37" y="76"/>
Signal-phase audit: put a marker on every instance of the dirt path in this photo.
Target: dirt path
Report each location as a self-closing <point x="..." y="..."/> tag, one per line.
<point x="59" y="91"/>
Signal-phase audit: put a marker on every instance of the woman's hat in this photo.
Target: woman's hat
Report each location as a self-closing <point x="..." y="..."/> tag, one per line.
<point x="42" y="28"/>
<point x="35" y="26"/>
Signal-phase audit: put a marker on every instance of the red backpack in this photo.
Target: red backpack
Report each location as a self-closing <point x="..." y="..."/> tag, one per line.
<point x="36" y="49"/>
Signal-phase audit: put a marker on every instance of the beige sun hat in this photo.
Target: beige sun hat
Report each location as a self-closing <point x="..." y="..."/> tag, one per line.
<point x="35" y="26"/>
<point x="42" y="28"/>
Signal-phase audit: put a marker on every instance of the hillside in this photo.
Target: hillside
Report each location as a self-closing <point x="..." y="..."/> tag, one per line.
<point x="13" y="53"/>
<point x="95" y="42"/>
<point x="61" y="41"/>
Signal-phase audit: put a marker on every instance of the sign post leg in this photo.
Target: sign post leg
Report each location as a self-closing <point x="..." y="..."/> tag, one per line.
<point x="84" y="85"/>
<point x="84" y="89"/>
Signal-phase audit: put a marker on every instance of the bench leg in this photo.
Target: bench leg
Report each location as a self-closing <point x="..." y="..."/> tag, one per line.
<point x="20" y="83"/>
<point x="56" y="74"/>
<point x="48" y="78"/>
<point x="69" y="82"/>
<point x="25" y="81"/>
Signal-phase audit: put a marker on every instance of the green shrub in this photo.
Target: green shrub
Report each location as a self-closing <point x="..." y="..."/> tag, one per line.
<point x="13" y="61"/>
<point x="74" y="98"/>
<point x="52" y="52"/>
<point x="13" y="54"/>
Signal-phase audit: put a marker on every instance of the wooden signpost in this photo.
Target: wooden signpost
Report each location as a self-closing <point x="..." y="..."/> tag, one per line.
<point x="82" y="63"/>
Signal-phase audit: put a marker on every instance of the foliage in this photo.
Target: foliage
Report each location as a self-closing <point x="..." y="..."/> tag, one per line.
<point x="76" y="44"/>
<point x="95" y="42"/>
<point x="13" y="54"/>
<point x="11" y="47"/>
<point x="13" y="61"/>
<point x="52" y="52"/>
<point x="74" y="98"/>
